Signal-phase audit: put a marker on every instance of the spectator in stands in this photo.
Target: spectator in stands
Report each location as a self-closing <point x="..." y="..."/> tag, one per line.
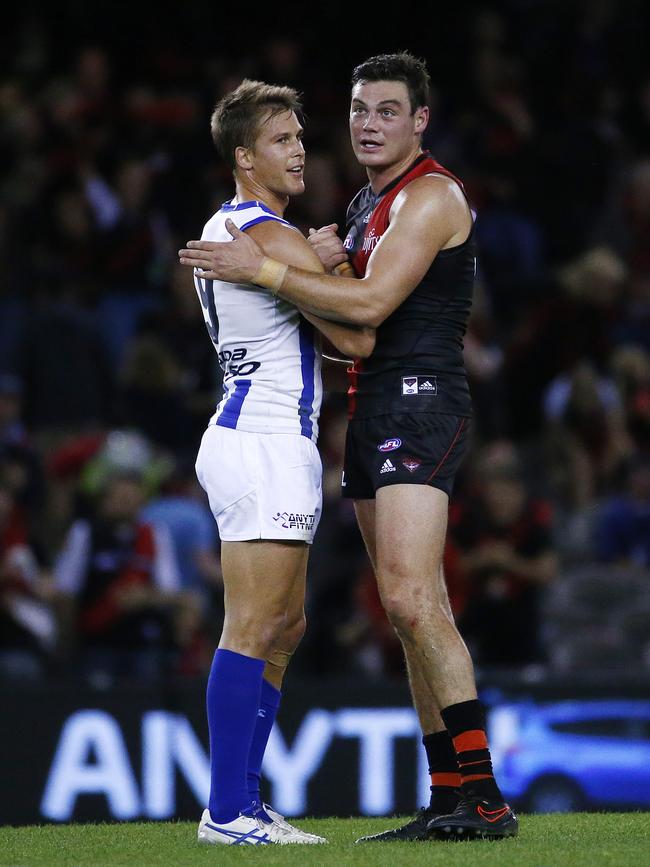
<point x="181" y="510"/>
<point x="586" y="433"/>
<point x="64" y="367"/>
<point x="27" y="624"/>
<point x="623" y="525"/>
<point x="503" y="537"/>
<point x="20" y="460"/>
<point x="120" y="580"/>
<point x="631" y="367"/>
<point x="170" y="379"/>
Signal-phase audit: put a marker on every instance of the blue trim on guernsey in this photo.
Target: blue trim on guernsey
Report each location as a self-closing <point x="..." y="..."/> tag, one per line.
<point x="242" y="206"/>
<point x="262" y="219"/>
<point x="229" y="415"/>
<point x="228" y="206"/>
<point x="307" y="358"/>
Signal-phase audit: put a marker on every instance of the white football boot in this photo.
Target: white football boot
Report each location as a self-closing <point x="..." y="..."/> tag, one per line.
<point x="256" y="829"/>
<point x="301" y="836"/>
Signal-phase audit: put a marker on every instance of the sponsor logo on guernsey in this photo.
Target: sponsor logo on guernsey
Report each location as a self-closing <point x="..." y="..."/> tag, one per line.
<point x="411" y="464"/>
<point x="370" y="241"/>
<point x="419" y="385"/>
<point x="390" y="444"/>
<point x="387" y="467"/>
<point x="294" y="521"/>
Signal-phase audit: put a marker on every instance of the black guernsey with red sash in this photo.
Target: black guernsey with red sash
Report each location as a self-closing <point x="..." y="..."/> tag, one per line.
<point x="417" y="364"/>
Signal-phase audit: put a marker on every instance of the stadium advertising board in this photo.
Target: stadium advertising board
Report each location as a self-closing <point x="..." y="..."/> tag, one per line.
<point x="130" y="754"/>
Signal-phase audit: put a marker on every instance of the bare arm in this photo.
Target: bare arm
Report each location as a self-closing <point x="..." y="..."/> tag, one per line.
<point x="290" y="247"/>
<point x="428" y="215"/>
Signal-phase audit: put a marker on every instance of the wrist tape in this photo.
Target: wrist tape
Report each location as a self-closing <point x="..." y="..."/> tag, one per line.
<point x="270" y="275"/>
<point x="345" y="269"/>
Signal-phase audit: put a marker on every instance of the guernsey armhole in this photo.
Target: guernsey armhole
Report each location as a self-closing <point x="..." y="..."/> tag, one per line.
<point x="472" y="213"/>
<point x="262" y="218"/>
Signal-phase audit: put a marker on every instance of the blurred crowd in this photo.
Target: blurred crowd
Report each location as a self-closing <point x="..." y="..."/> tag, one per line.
<point x="109" y="557"/>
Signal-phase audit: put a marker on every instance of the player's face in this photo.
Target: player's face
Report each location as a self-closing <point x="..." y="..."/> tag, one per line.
<point x="383" y="128"/>
<point x="278" y="158"/>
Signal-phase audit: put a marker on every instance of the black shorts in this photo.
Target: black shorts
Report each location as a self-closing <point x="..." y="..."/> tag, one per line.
<point x="413" y="449"/>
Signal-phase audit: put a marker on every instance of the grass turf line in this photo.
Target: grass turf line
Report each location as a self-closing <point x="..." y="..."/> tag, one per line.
<point x="561" y="840"/>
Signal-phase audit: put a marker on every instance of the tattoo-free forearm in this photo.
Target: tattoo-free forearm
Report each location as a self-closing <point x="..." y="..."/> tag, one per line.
<point x="355" y="341"/>
<point x="338" y="299"/>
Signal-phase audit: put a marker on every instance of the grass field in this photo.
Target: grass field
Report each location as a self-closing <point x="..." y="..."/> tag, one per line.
<point x="578" y="840"/>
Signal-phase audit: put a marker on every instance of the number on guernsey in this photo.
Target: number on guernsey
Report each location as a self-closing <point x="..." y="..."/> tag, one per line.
<point x="207" y="302"/>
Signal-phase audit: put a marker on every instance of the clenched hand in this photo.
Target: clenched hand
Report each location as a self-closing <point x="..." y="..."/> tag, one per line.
<point x="328" y="246"/>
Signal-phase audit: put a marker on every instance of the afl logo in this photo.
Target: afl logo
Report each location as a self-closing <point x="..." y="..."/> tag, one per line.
<point x="390" y="445"/>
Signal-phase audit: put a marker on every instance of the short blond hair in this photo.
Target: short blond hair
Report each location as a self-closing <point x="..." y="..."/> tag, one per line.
<point x="237" y="117"/>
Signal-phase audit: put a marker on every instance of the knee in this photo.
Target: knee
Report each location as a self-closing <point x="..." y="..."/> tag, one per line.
<point x="254" y="632"/>
<point x="294" y="632"/>
<point x="272" y="630"/>
<point x="404" y="613"/>
<point x="412" y="609"/>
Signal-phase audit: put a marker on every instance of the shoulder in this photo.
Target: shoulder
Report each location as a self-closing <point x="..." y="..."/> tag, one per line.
<point x="434" y="203"/>
<point x="433" y="193"/>
<point x="282" y="241"/>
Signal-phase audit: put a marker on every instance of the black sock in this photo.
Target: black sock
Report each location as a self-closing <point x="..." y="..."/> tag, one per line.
<point x="465" y="723"/>
<point x="443" y="767"/>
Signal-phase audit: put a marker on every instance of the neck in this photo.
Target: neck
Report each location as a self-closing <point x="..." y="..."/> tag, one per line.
<point x="380" y="176"/>
<point x="247" y="190"/>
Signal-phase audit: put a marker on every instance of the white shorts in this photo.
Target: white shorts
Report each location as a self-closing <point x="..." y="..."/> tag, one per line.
<point x="261" y="486"/>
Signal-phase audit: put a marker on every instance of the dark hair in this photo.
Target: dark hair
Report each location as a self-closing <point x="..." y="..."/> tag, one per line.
<point x="397" y="67"/>
<point x="236" y="117"/>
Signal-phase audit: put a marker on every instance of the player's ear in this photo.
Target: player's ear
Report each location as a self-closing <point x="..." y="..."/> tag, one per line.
<point x="243" y="158"/>
<point x="421" y="118"/>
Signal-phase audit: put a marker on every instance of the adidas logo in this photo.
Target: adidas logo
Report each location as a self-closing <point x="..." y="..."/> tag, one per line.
<point x="427" y="386"/>
<point x="387" y="467"/>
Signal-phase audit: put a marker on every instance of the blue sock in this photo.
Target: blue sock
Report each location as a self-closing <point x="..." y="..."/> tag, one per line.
<point x="269" y="704"/>
<point x="233" y="699"/>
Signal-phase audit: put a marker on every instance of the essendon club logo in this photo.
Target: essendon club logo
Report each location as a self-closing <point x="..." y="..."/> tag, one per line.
<point x="409" y="385"/>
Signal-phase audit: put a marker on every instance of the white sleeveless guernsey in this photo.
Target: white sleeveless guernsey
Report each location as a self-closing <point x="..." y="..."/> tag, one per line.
<point x="270" y="355"/>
